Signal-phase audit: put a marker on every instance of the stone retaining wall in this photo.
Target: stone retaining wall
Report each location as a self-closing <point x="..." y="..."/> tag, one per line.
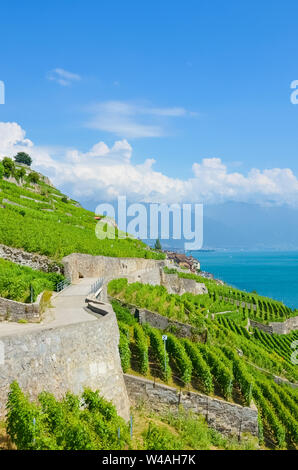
<point x="164" y="323"/>
<point x="32" y="260"/>
<point x="10" y="310"/>
<point x="279" y="328"/>
<point x="147" y="271"/>
<point x="161" y="322"/>
<point x="79" y="265"/>
<point x="66" y="358"/>
<point x="227" y="418"/>
<point x="179" y="285"/>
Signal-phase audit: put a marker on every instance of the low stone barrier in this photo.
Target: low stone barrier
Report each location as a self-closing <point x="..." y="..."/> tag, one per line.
<point x="147" y="271"/>
<point x="179" y="285"/>
<point x="282" y="381"/>
<point x="164" y="323"/>
<point x="160" y="322"/>
<point x="278" y="328"/>
<point x="10" y="310"/>
<point x="79" y="265"/>
<point x="227" y="418"/>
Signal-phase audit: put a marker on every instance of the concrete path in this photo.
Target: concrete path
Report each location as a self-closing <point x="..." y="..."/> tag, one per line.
<point x="68" y="307"/>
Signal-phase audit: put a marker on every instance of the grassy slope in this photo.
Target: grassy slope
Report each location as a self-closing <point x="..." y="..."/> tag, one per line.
<point x="186" y="309"/>
<point x="277" y="404"/>
<point x="35" y="218"/>
<point x="183" y="432"/>
<point x="257" y="307"/>
<point x="16" y="281"/>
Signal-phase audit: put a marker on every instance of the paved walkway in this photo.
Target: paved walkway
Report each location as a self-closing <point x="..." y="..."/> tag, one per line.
<point x="68" y="307"/>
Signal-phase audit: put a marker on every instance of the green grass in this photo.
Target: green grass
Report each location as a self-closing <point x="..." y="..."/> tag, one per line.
<point x="279" y="344"/>
<point x="187" y="431"/>
<point x="191" y="309"/>
<point x="49" y="424"/>
<point x="16" y="281"/>
<point x="218" y="370"/>
<point x="254" y="306"/>
<point x="41" y="222"/>
<point x="67" y="425"/>
<point x="187" y="308"/>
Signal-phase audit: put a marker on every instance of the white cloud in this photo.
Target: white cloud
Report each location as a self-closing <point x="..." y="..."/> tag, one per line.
<point x="63" y="77"/>
<point x="104" y="172"/>
<point x="132" y="120"/>
<point x="12" y="135"/>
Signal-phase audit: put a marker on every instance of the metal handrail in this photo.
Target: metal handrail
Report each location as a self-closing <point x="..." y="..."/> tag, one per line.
<point x="63" y="284"/>
<point x="96" y="285"/>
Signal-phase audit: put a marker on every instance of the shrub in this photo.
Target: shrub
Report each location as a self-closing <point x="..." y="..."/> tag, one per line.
<point x="284" y="414"/>
<point x="124" y="329"/>
<point x="20" y="418"/>
<point x="17" y="281"/>
<point x="65" y="424"/>
<point x="141" y="348"/>
<point x="267" y="413"/>
<point x="200" y="367"/>
<point x="9" y="167"/>
<point x="160" y="438"/>
<point x="19" y="174"/>
<point x="177" y="352"/>
<point x="124" y="352"/>
<point x="123" y="314"/>
<point x="158" y="351"/>
<point x="33" y="177"/>
<point x="220" y="371"/>
<point x="241" y="374"/>
<point x="117" y="285"/>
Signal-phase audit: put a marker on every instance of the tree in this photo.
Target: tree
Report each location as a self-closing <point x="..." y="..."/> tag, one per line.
<point x="1" y="171"/>
<point x="9" y="167"/>
<point x="20" y="173"/>
<point x="23" y="157"/>
<point x="33" y="177"/>
<point x="157" y="245"/>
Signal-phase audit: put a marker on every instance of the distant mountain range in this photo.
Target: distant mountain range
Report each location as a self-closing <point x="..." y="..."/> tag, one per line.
<point x="250" y="227"/>
<point x="242" y="226"/>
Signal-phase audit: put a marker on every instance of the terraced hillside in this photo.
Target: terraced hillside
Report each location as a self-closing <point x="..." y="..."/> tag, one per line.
<point x="222" y="357"/>
<point x="227" y="363"/>
<point x="39" y="218"/>
<point x="67" y="425"/>
<point x="254" y="306"/>
<point x="23" y="284"/>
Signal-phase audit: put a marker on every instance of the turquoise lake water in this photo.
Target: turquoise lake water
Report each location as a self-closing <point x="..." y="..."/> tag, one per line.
<point x="273" y="274"/>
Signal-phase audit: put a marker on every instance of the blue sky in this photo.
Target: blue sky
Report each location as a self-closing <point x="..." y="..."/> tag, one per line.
<point x="179" y="81"/>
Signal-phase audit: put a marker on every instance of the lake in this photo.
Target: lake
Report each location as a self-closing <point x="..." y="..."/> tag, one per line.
<point x="273" y="274"/>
